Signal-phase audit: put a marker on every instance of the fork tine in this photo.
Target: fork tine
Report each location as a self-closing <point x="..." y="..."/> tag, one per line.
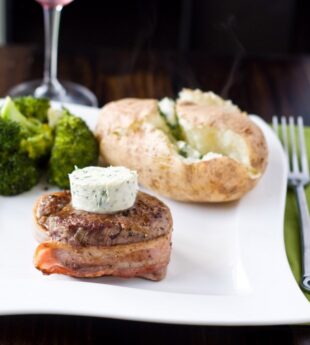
<point x="284" y="139"/>
<point x="275" y="124"/>
<point x="302" y="146"/>
<point x="293" y="145"/>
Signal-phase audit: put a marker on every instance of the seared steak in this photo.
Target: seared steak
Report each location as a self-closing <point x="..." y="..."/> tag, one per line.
<point x="147" y="219"/>
<point x="135" y="242"/>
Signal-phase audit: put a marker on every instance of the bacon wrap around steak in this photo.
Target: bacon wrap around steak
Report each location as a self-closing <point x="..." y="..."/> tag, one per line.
<point x="131" y="243"/>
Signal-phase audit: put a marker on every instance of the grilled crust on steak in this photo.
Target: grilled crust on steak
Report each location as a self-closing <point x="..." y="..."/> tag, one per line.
<point x="131" y="243"/>
<point x="149" y="218"/>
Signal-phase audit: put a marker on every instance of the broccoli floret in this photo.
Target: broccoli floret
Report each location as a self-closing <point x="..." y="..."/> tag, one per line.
<point x="9" y="112"/>
<point x="18" y="173"/>
<point x="75" y="145"/>
<point x="37" y="137"/>
<point x="10" y="136"/>
<point x="33" y="107"/>
<point x="39" y="145"/>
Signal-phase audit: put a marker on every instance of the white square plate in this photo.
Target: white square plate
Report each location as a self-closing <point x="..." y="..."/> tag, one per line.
<point x="228" y="263"/>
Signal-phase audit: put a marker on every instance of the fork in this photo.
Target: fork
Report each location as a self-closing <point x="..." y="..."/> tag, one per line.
<point x="298" y="178"/>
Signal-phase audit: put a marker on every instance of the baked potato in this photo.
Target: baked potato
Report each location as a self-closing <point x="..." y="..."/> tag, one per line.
<point x="197" y="149"/>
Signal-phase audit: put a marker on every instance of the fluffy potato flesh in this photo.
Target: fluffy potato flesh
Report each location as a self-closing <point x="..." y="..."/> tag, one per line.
<point x="229" y="152"/>
<point x="226" y="143"/>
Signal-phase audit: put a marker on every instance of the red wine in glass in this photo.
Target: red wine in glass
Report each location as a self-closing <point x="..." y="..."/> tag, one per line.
<point x="50" y="87"/>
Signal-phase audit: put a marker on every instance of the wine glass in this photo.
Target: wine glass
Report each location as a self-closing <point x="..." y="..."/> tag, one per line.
<point x="50" y="87"/>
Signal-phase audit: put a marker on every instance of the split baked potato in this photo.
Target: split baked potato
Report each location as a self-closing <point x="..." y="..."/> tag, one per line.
<point x="198" y="149"/>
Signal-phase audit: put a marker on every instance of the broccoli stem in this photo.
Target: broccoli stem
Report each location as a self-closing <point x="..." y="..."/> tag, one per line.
<point x="10" y="112"/>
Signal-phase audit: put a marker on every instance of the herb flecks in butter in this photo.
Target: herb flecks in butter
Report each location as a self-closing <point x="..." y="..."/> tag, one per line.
<point x="103" y="190"/>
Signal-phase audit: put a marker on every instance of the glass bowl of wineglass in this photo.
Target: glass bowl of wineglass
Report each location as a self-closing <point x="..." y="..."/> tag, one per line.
<point x="50" y="87"/>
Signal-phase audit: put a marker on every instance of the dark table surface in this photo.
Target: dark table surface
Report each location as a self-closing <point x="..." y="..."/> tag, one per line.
<point x="264" y="86"/>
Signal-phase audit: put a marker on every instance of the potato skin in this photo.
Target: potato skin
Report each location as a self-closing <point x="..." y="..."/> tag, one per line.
<point x="128" y="137"/>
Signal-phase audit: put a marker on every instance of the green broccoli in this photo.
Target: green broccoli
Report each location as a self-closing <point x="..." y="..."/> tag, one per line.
<point x="10" y="136"/>
<point x="37" y="137"/>
<point x="18" y="173"/>
<point x="38" y="146"/>
<point x="32" y="107"/>
<point x="75" y="145"/>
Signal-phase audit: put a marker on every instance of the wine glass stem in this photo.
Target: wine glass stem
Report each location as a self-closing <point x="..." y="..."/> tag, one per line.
<point x="51" y="29"/>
